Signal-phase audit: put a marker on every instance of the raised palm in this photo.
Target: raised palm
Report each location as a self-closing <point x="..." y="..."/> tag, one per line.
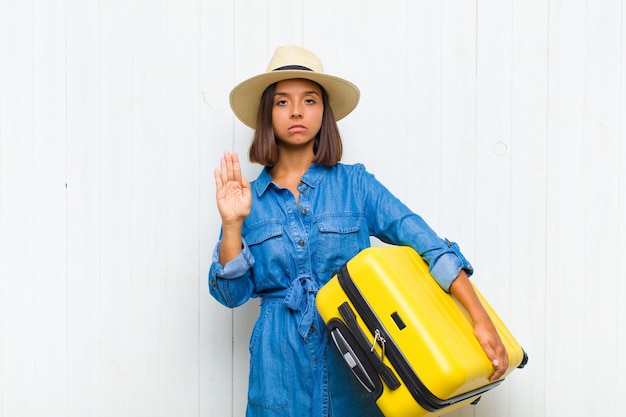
<point x="232" y="190"/>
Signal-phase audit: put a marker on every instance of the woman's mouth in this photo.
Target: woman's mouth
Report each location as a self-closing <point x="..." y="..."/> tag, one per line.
<point x="297" y="129"/>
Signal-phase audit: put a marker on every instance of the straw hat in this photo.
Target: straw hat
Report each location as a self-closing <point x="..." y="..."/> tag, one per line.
<point x="291" y="62"/>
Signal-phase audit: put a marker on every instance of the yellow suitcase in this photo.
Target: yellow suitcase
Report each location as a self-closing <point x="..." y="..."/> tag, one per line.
<point x="410" y="343"/>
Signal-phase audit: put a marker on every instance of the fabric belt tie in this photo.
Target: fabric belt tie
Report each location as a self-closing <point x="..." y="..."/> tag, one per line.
<point x="300" y="298"/>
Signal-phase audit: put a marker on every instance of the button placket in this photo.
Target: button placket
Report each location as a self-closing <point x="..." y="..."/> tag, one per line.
<point x="302" y="189"/>
<point x="299" y="226"/>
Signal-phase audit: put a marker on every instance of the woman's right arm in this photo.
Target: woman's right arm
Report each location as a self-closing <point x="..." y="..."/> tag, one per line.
<point x="229" y="277"/>
<point x="234" y="201"/>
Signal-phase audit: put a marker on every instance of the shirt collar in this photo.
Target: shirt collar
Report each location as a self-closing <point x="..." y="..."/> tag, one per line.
<point x="312" y="177"/>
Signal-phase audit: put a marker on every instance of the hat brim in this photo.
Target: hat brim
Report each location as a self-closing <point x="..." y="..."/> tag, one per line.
<point x="343" y="96"/>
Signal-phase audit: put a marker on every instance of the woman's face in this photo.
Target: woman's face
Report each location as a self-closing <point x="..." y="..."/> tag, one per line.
<point x="297" y="112"/>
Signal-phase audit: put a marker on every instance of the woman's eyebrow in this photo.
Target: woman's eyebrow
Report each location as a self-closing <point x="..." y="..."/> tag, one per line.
<point x="306" y="93"/>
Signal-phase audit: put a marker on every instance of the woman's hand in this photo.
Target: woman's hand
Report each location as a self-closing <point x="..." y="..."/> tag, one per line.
<point x="487" y="335"/>
<point x="234" y="201"/>
<point x="232" y="190"/>
<point x="484" y="329"/>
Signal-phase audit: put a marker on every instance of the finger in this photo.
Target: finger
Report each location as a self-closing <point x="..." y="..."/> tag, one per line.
<point x="223" y="169"/>
<point x="229" y="165"/>
<point x="492" y="356"/>
<point x="497" y="374"/>
<point x="501" y="364"/>
<point x="218" y="179"/>
<point x="490" y="352"/>
<point x="236" y="167"/>
<point x="244" y="182"/>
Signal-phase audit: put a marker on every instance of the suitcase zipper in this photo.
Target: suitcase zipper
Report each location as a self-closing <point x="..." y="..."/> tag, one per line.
<point x="425" y="398"/>
<point x="380" y="367"/>
<point x="378" y="338"/>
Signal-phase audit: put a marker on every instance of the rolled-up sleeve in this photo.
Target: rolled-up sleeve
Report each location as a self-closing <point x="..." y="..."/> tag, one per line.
<point x="448" y="265"/>
<point x="231" y="284"/>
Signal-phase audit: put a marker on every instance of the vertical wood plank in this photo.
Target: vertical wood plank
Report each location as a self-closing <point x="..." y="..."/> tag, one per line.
<point x="252" y="53"/>
<point x="325" y="15"/>
<point x="493" y="151"/>
<point x="3" y="77"/>
<point x="180" y="304"/>
<point x="528" y="202"/>
<point x="386" y="131"/>
<point x="458" y="96"/>
<point x="565" y="213"/>
<point x="49" y="205"/>
<point x="423" y="103"/>
<point x="345" y="54"/>
<point x="284" y="23"/>
<point x="116" y="104"/>
<point x="148" y="225"/>
<point x="17" y="178"/>
<point x="601" y="126"/>
<point x="83" y="207"/>
<point x="617" y="380"/>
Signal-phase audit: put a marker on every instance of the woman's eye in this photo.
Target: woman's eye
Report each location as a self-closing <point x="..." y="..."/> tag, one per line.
<point x="309" y="101"/>
<point x="281" y="102"/>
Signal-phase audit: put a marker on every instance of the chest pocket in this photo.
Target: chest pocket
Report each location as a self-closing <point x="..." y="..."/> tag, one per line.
<point x="267" y="244"/>
<point x="338" y="241"/>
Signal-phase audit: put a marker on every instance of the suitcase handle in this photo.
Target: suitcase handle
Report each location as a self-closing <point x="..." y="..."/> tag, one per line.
<point x="383" y="370"/>
<point x="353" y="356"/>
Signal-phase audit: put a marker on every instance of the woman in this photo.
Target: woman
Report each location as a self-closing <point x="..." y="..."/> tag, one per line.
<point x="286" y="233"/>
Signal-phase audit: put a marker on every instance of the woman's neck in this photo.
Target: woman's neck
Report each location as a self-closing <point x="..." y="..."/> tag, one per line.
<point x="290" y="168"/>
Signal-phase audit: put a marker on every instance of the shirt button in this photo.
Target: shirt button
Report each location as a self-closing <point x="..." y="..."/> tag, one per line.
<point x="305" y="211"/>
<point x="301" y="243"/>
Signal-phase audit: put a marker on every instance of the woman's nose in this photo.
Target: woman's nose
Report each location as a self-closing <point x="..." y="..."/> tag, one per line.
<point x="295" y="112"/>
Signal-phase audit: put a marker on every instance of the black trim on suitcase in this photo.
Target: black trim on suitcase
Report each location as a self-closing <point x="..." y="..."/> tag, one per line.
<point x="379" y="366"/>
<point x="424" y="397"/>
<point x="353" y="355"/>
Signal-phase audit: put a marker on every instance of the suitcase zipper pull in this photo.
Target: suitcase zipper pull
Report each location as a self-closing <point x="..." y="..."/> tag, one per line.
<point x="378" y="337"/>
<point x="383" y="370"/>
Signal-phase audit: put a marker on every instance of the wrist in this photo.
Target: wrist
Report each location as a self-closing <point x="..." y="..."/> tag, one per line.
<point x="232" y="226"/>
<point x="482" y="319"/>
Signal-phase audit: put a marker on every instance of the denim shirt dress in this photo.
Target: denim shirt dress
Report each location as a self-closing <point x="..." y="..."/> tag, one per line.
<point x="289" y="252"/>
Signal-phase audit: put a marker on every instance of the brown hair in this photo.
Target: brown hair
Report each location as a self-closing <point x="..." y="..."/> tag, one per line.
<point x="264" y="148"/>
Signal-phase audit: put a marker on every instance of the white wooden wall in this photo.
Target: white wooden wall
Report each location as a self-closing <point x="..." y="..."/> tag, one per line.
<point x="502" y="122"/>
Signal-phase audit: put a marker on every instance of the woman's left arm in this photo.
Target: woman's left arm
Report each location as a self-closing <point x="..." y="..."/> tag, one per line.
<point x="393" y="222"/>
<point x="484" y="329"/>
